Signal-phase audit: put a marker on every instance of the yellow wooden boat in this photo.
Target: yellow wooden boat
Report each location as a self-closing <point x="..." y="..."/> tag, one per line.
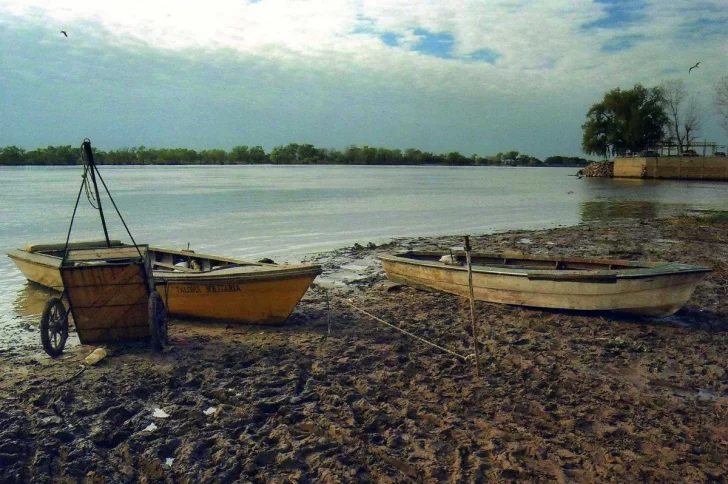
<point x="641" y="288"/>
<point x="195" y="285"/>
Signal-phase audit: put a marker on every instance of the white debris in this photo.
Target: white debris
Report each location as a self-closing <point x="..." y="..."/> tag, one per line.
<point x="159" y="413"/>
<point x="210" y="411"/>
<point x="169" y="461"/>
<point x="151" y="427"/>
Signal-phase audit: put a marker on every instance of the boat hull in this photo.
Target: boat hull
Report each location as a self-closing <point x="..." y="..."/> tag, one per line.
<point x="265" y="302"/>
<point x="655" y="296"/>
<point x="266" y="295"/>
<point x="38" y="269"/>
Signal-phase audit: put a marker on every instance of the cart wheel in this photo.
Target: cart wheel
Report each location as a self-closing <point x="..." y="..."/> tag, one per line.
<point x="157" y="321"/>
<point x="54" y="327"/>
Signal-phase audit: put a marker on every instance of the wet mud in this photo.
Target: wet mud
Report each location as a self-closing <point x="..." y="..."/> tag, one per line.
<point x="336" y="396"/>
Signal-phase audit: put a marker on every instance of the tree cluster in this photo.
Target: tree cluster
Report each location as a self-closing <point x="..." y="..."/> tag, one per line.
<point x="630" y="120"/>
<point x="291" y="154"/>
<point x="642" y="118"/>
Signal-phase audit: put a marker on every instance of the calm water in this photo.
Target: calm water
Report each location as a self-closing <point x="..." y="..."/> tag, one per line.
<point x="287" y="212"/>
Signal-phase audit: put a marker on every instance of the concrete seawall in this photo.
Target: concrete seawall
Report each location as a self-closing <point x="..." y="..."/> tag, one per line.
<point x="674" y="167"/>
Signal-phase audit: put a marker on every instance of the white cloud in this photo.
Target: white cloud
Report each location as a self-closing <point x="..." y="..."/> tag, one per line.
<point x="546" y="58"/>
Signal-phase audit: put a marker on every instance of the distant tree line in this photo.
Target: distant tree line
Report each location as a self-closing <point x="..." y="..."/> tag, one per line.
<point x="291" y="154"/>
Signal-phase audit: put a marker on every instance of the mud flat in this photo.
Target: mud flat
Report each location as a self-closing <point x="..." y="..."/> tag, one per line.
<point x="563" y="396"/>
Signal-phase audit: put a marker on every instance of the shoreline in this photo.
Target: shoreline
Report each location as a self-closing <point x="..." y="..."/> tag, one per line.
<point x="562" y="396"/>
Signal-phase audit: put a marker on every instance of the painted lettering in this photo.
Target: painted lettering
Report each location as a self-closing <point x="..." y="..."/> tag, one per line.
<point x="222" y="288"/>
<point x="188" y="289"/>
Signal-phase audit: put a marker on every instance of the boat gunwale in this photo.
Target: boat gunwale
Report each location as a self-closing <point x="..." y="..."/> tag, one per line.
<point x="198" y="255"/>
<point x="208" y="277"/>
<point x="272" y="270"/>
<point x="637" y="270"/>
<point x="33" y="255"/>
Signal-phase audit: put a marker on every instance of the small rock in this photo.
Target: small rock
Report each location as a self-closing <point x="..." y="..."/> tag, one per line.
<point x="50" y="421"/>
<point x="64" y="436"/>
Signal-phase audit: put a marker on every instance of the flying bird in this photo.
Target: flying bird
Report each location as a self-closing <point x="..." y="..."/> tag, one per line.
<point x="696" y="65"/>
<point x="64" y="33"/>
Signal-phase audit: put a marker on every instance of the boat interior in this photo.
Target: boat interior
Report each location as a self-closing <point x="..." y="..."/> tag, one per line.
<point x="161" y="259"/>
<point x="187" y="261"/>
<point x="119" y="255"/>
<point x="523" y="261"/>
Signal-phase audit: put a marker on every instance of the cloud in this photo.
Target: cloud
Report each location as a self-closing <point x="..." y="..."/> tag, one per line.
<point x="477" y="77"/>
<point x="622" y="42"/>
<point x="618" y="14"/>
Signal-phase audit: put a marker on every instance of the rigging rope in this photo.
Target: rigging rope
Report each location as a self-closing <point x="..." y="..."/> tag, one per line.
<point x="464" y="358"/>
<point x="90" y="196"/>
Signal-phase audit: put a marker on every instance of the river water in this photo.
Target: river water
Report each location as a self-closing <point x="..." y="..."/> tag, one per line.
<point x="289" y="212"/>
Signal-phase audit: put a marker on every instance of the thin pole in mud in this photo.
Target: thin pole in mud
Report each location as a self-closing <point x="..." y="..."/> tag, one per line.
<point x="472" y="305"/>
<point x="328" y="314"/>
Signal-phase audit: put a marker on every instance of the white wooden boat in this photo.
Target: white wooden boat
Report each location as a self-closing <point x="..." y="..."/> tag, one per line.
<point x="641" y="288"/>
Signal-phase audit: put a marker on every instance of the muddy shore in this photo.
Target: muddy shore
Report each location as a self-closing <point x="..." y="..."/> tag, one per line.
<point x="562" y="396"/>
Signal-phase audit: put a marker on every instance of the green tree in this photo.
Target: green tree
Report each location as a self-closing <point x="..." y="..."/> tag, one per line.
<point x="454" y="158"/>
<point x="214" y="157"/>
<point x="239" y="155"/>
<point x="526" y="160"/>
<point x="630" y="120"/>
<point x="12" y="155"/>
<point x="565" y="161"/>
<point x="284" y="155"/>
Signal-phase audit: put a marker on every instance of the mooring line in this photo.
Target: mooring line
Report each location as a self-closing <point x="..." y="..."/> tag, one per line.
<point x="464" y="358"/>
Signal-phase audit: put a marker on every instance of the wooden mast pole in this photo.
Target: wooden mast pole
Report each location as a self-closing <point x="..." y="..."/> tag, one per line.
<point x="472" y="305"/>
<point x="92" y="167"/>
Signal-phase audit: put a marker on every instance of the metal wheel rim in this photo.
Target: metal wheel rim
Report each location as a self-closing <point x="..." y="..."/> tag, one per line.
<point x="56" y="327"/>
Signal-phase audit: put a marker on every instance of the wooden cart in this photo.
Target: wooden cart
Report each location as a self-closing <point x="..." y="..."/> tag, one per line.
<point x="110" y="291"/>
<point x="110" y="296"/>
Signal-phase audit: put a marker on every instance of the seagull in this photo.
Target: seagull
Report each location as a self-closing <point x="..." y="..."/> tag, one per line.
<point x="696" y="65"/>
<point x="64" y="33"/>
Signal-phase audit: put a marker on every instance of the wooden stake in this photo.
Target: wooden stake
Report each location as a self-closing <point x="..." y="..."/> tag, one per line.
<point x="472" y="305"/>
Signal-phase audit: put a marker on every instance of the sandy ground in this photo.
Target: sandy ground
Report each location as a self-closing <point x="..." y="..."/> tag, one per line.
<point x="562" y="397"/>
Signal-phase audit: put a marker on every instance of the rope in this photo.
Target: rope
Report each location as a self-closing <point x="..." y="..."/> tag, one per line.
<point x="90" y="196"/>
<point x="464" y="358"/>
<point x="136" y="246"/>
<point x="70" y="226"/>
<point x="83" y="367"/>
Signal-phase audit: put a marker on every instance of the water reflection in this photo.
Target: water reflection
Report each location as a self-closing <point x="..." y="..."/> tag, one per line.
<point x="20" y="330"/>
<point x="634" y="209"/>
<point x="30" y="301"/>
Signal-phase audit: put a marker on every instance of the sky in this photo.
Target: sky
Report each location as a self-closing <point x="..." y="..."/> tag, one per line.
<point x="474" y="76"/>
